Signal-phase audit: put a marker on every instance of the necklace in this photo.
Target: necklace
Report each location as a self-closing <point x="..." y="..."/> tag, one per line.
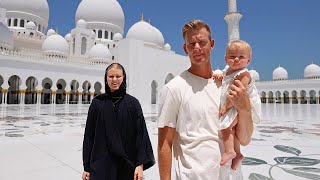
<point x="114" y="103"/>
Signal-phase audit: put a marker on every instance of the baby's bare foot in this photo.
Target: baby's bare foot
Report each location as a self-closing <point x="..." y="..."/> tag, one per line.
<point x="226" y="156"/>
<point x="236" y="161"/>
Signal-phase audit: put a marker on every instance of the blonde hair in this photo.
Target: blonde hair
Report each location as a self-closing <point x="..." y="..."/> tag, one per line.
<point x="236" y="44"/>
<point x="195" y="25"/>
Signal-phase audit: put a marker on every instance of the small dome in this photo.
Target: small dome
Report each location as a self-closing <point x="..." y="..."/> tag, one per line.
<point x="50" y="32"/>
<point x="55" y="45"/>
<point x="31" y="25"/>
<point x="68" y="37"/>
<point x="100" y="53"/>
<point x="6" y="40"/>
<point x="101" y="11"/>
<point x="81" y="24"/>
<point x="312" y="71"/>
<point x="117" y="37"/>
<point x="279" y="74"/>
<point x="145" y="32"/>
<point x="167" y="47"/>
<point x="159" y="39"/>
<point x="254" y="75"/>
<point x="31" y="8"/>
<point x="218" y="71"/>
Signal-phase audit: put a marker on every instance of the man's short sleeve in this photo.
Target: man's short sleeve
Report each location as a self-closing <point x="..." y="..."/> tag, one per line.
<point x="168" y="109"/>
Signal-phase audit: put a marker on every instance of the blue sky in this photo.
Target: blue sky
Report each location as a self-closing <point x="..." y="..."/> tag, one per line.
<point x="281" y="32"/>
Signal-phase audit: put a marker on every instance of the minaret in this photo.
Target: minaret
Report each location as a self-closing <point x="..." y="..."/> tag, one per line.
<point x="232" y="18"/>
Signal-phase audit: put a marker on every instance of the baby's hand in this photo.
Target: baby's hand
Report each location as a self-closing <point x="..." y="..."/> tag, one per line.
<point x="217" y="76"/>
<point x="223" y="110"/>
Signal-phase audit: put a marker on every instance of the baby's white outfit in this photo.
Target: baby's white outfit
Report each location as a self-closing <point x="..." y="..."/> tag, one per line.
<point x="231" y="114"/>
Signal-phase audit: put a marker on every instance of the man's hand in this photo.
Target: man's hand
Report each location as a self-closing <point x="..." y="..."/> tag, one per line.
<point x="239" y="96"/>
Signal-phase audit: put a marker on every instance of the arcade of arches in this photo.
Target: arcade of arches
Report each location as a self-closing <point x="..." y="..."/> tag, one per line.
<point x="294" y="97"/>
<point x="47" y="92"/>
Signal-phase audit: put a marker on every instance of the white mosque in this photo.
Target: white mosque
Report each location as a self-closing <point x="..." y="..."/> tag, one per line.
<point x="39" y="66"/>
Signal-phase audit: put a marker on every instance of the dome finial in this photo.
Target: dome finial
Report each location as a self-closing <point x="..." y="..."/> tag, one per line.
<point x="57" y="31"/>
<point x="149" y="21"/>
<point x="142" y="19"/>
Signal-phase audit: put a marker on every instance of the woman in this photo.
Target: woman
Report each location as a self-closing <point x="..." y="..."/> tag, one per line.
<point x="116" y="143"/>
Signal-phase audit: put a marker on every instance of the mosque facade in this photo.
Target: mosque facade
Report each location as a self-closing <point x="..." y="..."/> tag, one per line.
<point x="39" y="66"/>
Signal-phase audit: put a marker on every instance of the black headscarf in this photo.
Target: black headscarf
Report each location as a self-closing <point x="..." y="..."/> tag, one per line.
<point x="123" y="87"/>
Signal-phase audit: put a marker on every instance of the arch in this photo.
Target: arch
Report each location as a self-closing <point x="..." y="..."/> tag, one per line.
<point x="294" y="97"/>
<point x="286" y="98"/>
<point x="278" y="97"/>
<point x="312" y="97"/>
<point x="9" y="22"/>
<point x="1" y="82"/>
<point x="31" y="91"/>
<point x="46" y="91"/>
<point x="15" y="22"/>
<point x="154" y="92"/>
<point x="61" y="92"/>
<point x="74" y="98"/>
<point x="97" y="88"/>
<point x="263" y="97"/>
<point x="106" y="35"/>
<point x="303" y="97"/>
<point x="74" y="46"/>
<point x="83" y="45"/>
<point x="86" y="94"/>
<point x="111" y="37"/>
<point x="168" y="78"/>
<point x="13" y="90"/>
<point x="270" y="97"/>
<point x="99" y="33"/>
<point x="22" y="23"/>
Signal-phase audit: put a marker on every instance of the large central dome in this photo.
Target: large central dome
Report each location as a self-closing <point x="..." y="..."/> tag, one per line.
<point x="101" y="11"/>
<point x="38" y="8"/>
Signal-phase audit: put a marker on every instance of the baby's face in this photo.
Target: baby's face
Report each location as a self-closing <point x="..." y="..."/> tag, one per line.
<point x="237" y="58"/>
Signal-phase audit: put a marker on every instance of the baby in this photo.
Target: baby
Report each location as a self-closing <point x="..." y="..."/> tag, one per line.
<point x="238" y="56"/>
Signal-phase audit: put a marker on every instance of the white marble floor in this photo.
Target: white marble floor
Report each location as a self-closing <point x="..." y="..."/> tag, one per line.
<point x="44" y="143"/>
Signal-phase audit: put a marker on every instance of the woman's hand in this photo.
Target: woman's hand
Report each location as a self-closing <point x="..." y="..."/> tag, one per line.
<point x="138" y="173"/>
<point x="85" y="175"/>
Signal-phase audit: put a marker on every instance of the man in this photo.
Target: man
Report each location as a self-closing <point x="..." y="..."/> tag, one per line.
<point x="189" y="114"/>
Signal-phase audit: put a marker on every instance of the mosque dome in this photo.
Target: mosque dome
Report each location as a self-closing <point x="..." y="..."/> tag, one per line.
<point x="68" y="37"/>
<point x="312" y="71"/>
<point x="55" y="45"/>
<point x="99" y="53"/>
<point x="101" y="11"/>
<point x="81" y="23"/>
<point x="50" y="32"/>
<point x="217" y="71"/>
<point x="145" y="32"/>
<point x="159" y="37"/>
<point x="31" y="25"/>
<point x="254" y="75"/>
<point x="6" y="40"/>
<point x="117" y="37"/>
<point x="279" y="74"/>
<point x="167" y="47"/>
<point x="39" y="8"/>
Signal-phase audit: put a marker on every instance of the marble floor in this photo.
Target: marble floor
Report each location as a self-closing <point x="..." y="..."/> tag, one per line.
<point x="45" y="142"/>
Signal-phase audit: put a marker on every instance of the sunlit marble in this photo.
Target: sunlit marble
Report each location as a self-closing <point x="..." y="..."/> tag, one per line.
<point x="45" y="142"/>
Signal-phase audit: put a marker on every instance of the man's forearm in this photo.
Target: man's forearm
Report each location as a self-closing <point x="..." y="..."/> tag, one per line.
<point x="165" y="160"/>
<point x="244" y="128"/>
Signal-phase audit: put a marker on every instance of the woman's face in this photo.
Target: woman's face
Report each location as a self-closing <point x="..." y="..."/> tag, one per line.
<point x="114" y="78"/>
